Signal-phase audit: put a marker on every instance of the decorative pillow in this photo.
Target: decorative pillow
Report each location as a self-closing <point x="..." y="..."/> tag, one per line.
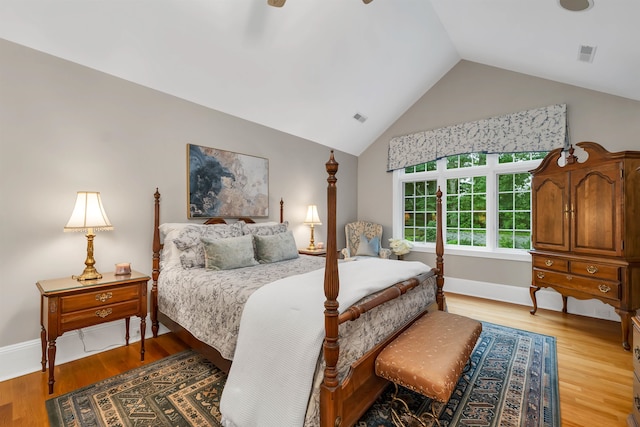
<point x="265" y="229"/>
<point x="229" y="253"/>
<point x="368" y="247"/>
<point x="189" y="241"/>
<point x="170" y="254"/>
<point x="276" y="247"/>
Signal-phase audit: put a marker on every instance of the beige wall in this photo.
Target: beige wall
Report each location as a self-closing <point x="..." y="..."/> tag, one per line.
<point x="472" y="91"/>
<point x="65" y="128"/>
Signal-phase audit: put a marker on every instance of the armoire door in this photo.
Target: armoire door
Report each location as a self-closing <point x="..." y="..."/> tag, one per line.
<point x="550" y="209"/>
<point x="596" y="210"/>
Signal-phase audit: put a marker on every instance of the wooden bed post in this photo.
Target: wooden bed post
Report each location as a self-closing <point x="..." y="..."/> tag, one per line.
<point x="439" y="253"/>
<point x="330" y="414"/>
<point x="156" y="265"/>
<point x="281" y="210"/>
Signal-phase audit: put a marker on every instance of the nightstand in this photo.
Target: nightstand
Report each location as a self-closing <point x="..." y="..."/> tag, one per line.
<point x="67" y="304"/>
<point x="315" y="252"/>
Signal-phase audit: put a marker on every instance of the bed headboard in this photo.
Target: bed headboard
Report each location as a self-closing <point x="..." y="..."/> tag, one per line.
<point x="246" y="219"/>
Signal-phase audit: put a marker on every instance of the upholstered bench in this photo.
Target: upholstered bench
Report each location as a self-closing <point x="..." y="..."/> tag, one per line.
<point x="430" y="355"/>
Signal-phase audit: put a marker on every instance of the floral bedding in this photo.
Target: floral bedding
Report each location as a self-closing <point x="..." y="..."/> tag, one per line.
<point x="209" y="303"/>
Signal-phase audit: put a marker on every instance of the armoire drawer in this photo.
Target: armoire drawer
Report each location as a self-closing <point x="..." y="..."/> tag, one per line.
<point x="550" y="263"/>
<point x="596" y="287"/>
<point x="594" y="269"/>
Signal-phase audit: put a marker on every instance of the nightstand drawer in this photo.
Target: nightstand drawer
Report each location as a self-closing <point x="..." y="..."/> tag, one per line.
<point x="550" y="263"/>
<point x="590" y="269"/>
<point x="99" y="298"/>
<point x="596" y="287"/>
<point x="97" y="315"/>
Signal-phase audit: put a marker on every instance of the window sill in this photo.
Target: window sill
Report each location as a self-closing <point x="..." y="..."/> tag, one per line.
<point x="523" y="256"/>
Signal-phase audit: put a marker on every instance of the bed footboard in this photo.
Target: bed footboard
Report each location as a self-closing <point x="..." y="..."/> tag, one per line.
<point x="342" y="403"/>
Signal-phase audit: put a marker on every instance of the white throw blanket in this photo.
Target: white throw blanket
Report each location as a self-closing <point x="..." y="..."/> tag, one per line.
<point x="280" y="338"/>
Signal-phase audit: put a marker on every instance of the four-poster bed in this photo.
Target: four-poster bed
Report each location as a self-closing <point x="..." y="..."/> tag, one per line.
<point x="346" y="384"/>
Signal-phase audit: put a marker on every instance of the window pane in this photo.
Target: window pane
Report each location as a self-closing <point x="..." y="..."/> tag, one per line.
<point x="523" y="201"/>
<point x="505" y="201"/>
<point x="429" y="166"/>
<point x="514" y="209"/>
<point x="452" y="219"/>
<point x="466" y="160"/>
<point x="466" y="209"/>
<point x="409" y="188"/>
<point x="522" y="240"/>
<point x="521" y="157"/>
<point x="523" y="220"/>
<point x="505" y="220"/>
<point x="419" y="208"/>
<point x="480" y="202"/>
<point x="409" y="204"/>
<point x="505" y="183"/>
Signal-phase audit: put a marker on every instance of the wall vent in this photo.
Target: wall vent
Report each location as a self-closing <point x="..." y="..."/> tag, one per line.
<point x="359" y="117"/>
<point x="586" y="53"/>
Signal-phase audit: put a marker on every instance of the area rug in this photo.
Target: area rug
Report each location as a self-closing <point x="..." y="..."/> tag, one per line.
<point x="511" y="382"/>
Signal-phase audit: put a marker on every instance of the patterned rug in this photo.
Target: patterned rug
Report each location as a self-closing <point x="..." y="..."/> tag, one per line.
<point x="512" y="382"/>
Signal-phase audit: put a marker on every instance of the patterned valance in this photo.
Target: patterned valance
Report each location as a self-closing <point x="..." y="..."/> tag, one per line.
<point x="541" y="129"/>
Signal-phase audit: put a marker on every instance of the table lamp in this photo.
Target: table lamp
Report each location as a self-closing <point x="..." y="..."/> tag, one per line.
<point x="312" y="220"/>
<point x="88" y="215"/>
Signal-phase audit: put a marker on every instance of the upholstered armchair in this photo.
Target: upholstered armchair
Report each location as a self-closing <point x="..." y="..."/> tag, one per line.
<point x="371" y="244"/>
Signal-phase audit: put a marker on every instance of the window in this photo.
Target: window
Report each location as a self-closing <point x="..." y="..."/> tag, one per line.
<point x="486" y="201"/>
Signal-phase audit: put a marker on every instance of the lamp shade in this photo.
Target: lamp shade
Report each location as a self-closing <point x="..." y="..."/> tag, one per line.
<point x="312" y="216"/>
<point x="88" y="213"/>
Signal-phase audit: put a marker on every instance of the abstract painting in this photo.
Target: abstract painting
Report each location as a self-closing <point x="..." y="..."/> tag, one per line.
<point x="226" y="184"/>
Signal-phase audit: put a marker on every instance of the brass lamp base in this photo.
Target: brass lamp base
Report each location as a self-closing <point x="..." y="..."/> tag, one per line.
<point x="312" y="246"/>
<point x="89" y="273"/>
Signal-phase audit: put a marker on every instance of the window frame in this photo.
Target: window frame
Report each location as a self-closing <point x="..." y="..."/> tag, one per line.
<point x="491" y="170"/>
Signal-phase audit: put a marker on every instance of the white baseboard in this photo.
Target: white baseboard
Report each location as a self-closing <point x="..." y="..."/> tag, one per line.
<point x="24" y="358"/>
<point x="547" y="298"/>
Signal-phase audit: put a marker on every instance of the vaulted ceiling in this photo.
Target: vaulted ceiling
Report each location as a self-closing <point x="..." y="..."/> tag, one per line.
<point x="307" y="68"/>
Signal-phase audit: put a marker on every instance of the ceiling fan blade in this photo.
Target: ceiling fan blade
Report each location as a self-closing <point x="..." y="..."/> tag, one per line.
<point x="278" y="3"/>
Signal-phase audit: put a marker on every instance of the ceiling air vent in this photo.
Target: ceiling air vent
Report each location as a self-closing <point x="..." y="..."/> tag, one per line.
<point x="586" y="53"/>
<point x="359" y="117"/>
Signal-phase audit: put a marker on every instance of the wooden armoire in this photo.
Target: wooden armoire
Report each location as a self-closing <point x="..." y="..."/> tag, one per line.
<point x="586" y="229"/>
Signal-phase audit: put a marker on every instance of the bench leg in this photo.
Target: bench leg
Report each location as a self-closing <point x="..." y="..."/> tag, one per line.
<point x="395" y="415"/>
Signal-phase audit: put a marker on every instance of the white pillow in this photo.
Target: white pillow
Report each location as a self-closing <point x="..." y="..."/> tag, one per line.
<point x="169" y="231"/>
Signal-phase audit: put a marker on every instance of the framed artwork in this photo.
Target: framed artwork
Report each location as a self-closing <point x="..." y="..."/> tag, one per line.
<point x="226" y="184"/>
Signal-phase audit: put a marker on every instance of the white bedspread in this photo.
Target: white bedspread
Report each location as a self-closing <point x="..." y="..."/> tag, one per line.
<point x="281" y="334"/>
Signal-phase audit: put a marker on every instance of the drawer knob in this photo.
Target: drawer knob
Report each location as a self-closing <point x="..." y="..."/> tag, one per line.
<point x="104" y="296"/>
<point x="548" y="262"/>
<point x="592" y="269"/>
<point x="103" y="313"/>
<point x="636" y="351"/>
<point x="604" y="288"/>
<point x="540" y="275"/>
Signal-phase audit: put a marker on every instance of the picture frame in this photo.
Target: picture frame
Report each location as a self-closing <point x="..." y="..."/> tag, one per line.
<point x="225" y="184"/>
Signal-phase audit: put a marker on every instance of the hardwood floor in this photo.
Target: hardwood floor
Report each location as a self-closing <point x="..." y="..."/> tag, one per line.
<point x="595" y="373"/>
